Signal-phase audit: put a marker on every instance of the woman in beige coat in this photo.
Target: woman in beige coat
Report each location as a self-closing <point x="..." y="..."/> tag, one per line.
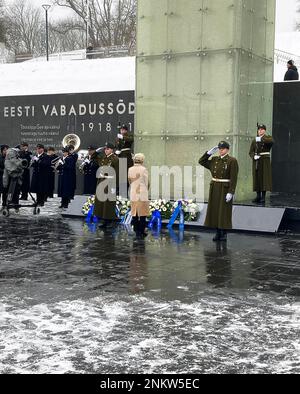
<point x="139" y="199"/>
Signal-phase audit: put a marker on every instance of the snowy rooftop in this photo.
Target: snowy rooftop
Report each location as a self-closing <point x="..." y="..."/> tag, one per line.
<point x="56" y="77"/>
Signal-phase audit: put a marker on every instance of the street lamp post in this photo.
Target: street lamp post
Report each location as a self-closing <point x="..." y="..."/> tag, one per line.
<point x="46" y="8"/>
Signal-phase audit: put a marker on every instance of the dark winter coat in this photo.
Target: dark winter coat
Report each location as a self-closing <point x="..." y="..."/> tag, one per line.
<point x="219" y="212"/>
<point x="51" y="176"/>
<point x="39" y="180"/>
<point x="90" y="180"/>
<point x="107" y="209"/>
<point x="261" y="168"/>
<point x="124" y="146"/>
<point x="26" y="174"/>
<point x="74" y="157"/>
<point x="2" y="159"/>
<point x="65" y="178"/>
<point x="291" y="74"/>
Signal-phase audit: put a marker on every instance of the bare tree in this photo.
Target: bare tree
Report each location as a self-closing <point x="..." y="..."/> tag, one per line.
<point x="67" y="35"/>
<point x="110" y="22"/>
<point x="2" y="25"/>
<point x="24" y="27"/>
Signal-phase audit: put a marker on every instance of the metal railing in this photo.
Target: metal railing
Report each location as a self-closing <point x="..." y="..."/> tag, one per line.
<point x="97" y="53"/>
<point x="282" y="57"/>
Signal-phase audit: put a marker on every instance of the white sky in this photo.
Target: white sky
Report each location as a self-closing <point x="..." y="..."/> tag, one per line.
<point x="285" y="21"/>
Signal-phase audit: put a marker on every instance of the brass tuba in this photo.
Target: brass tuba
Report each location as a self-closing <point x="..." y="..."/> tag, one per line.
<point x="71" y="139"/>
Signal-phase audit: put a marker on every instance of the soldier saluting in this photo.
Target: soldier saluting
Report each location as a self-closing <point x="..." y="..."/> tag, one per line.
<point x="261" y="168"/>
<point x="124" y="144"/>
<point x="224" y="170"/>
<point x="106" y="192"/>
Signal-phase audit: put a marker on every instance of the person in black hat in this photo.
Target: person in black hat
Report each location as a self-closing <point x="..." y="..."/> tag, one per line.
<point x="292" y="72"/>
<point x="124" y="145"/>
<point x="74" y="156"/>
<point x="39" y="181"/>
<point x="65" y="170"/>
<point x="224" y="170"/>
<point x="3" y="190"/>
<point x="89" y="168"/>
<point x="25" y="154"/>
<point x="107" y="185"/>
<point x="260" y="153"/>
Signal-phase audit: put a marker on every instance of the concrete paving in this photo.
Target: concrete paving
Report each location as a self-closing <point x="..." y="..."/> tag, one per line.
<point x="77" y="299"/>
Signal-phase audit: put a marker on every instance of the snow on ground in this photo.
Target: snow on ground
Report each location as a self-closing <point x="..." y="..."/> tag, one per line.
<point x="57" y="77"/>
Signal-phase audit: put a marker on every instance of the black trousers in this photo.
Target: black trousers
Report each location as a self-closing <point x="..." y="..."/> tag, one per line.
<point x="65" y="202"/>
<point x="139" y="224"/>
<point x="40" y="198"/>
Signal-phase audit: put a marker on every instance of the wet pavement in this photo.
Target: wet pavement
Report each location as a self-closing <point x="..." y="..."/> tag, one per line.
<point x="77" y="299"/>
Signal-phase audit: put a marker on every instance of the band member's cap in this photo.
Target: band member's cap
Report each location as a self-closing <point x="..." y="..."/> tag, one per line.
<point x="65" y="149"/>
<point x="124" y="127"/>
<point x="261" y="126"/>
<point x="23" y="143"/>
<point x="109" y="145"/>
<point x="40" y="146"/>
<point x="92" y="147"/>
<point x="223" y="145"/>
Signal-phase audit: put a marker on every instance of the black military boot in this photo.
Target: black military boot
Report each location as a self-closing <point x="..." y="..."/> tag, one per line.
<point x="258" y="197"/>
<point x="223" y="236"/>
<point x="216" y="238"/>
<point x="263" y="197"/>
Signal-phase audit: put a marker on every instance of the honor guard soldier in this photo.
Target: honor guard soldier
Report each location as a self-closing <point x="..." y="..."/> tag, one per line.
<point x="260" y="153"/>
<point x="39" y="181"/>
<point x="106" y="192"/>
<point x="224" y="170"/>
<point x="25" y="154"/>
<point x="124" y="151"/>
<point x="89" y="168"/>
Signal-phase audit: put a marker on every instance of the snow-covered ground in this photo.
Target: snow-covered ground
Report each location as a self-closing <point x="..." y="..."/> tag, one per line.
<point x="57" y="77"/>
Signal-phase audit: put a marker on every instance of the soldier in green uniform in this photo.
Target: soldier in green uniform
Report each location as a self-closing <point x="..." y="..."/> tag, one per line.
<point x="124" y="144"/>
<point x="105" y="199"/>
<point x="224" y="170"/>
<point x="261" y="168"/>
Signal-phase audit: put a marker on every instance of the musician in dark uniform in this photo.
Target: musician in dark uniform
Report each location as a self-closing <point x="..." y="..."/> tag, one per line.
<point x="39" y="181"/>
<point x="260" y="153"/>
<point x="89" y="168"/>
<point x="74" y="156"/>
<point x="224" y="170"/>
<point x="65" y="181"/>
<point x="51" y="175"/>
<point x="124" y="145"/>
<point x="105" y="199"/>
<point x="25" y="154"/>
<point x="3" y="190"/>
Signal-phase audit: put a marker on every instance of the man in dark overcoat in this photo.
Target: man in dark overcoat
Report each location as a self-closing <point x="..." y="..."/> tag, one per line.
<point x="65" y="179"/>
<point x="39" y="181"/>
<point x="89" y="169"/>
<point x="3" y="190"/>
<point x="106" y="192"/>
<point x="260" y="153"/>
<point x="224" y="170"/>
<point x="25" y="154"/>
<point x="124" y="144"/>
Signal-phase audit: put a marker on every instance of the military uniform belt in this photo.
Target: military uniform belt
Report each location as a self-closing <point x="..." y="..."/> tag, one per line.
<point x="221" y="180"/>
<point x="123" y="150"/>
<point x="264" y="154"/>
